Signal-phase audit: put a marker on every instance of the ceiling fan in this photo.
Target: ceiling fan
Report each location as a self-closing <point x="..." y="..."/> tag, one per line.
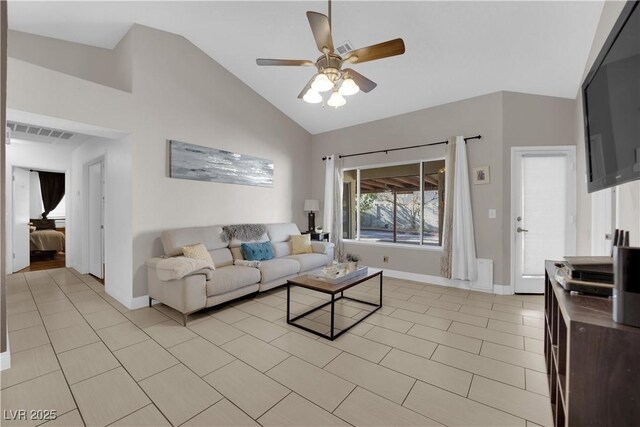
<point x="331" y="76"/>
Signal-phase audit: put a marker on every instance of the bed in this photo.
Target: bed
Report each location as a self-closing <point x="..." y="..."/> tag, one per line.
<point x="43" y="237"/>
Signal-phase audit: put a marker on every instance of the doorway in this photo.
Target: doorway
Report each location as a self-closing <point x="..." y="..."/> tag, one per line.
<point x="37" y="242"/>
<point x="95" y="219"/>
<point x="543" y="212"/>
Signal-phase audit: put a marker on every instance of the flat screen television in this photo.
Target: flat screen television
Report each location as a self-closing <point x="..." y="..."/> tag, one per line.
<point x="611" y="106"/>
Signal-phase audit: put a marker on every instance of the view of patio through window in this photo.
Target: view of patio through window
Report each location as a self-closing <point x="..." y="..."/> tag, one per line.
<point x="394" y="204"/>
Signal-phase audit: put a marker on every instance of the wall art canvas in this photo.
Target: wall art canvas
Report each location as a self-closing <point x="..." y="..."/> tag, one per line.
<point x="195" y="162"/>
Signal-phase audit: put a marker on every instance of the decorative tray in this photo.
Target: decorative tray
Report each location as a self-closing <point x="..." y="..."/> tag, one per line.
<point x="338" y="274"/>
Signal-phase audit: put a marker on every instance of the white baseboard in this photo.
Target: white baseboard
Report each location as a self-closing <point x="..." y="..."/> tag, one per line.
<point x="441" y="281"/>
<point x="139" y="302"/>
<point x="503" y="289"/>
<point x="129" y="302"/>
<point x="5" y="357"/>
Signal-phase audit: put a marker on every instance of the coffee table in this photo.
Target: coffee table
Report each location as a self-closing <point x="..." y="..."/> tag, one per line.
<point x="318" y="285"/>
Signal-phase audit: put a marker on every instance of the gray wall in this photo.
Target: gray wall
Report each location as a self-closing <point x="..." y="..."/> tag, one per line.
<point x="177" y="92"/>
<point x="86" y="62"/>
<point x="505" y="119"/>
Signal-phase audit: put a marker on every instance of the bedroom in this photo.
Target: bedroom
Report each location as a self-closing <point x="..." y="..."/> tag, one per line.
<point x="46" y="223"/>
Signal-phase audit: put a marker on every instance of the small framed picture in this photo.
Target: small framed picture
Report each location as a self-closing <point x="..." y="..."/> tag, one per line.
<point x="481" y="175"/>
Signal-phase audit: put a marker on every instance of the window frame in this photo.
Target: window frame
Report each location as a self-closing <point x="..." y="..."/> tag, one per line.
<point x="420" y="245"/>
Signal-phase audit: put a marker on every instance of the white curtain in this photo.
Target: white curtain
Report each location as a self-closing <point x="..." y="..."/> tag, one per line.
<point x="449" y="179"/>
<point x="332" y="221"/>
<point x="463" y="245"/>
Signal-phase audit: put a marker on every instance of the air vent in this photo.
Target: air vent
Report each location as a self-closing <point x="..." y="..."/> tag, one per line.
<point x="41" y="134"/>
<point x="344" y="48"/>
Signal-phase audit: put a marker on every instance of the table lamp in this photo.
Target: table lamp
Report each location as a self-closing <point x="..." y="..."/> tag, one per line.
<point x="312" y="206"/>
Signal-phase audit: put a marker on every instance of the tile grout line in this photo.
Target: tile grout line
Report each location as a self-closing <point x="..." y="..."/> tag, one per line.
<point x="53" y="348"/>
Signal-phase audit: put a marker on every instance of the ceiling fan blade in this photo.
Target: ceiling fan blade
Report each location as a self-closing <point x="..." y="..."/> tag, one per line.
<point x="294" y="62"/>
<point x="321" y="30"/>
<point x="376" y="51"/>
<point x="306" y="88"/>
<point x="363" y="83"/>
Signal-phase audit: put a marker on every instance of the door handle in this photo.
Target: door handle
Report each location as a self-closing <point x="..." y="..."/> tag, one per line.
<point x="521" y="230"/>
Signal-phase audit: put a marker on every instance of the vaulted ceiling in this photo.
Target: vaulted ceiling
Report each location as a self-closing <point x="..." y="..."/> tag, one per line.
<point x="454" y="50"/>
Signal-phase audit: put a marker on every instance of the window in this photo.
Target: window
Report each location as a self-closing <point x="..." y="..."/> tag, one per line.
<point x="395" y="204"/>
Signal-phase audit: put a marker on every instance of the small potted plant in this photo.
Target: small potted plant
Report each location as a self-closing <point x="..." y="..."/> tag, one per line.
<point x="352" y="260"/>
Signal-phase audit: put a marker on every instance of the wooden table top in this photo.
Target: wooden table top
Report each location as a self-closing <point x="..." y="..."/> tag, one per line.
<point x="310" y="282"/>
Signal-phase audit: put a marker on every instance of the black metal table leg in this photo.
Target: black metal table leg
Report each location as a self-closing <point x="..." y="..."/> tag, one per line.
<point x="288" y="303"/>
<point x="333" y="304"/>
<point x="380" y="289"/>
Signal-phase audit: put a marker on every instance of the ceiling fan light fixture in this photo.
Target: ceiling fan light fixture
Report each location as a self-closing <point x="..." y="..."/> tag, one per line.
<point x="312" y="97"/>
<point x="348" y="87"/>
<point x="322" y="83"/>
<point x="336" y="100"/>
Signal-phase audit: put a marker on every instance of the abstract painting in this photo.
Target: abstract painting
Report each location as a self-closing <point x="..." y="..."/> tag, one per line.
<point x="189" y="161"/>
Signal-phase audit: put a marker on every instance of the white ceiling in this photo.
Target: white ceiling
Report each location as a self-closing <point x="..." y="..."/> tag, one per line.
<point x="454" y="50"/>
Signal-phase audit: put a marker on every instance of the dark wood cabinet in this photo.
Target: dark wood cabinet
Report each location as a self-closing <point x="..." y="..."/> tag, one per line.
<point x="593" y="362"/>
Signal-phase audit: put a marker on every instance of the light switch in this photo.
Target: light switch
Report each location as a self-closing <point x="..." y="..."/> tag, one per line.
<point x="492" y="213"/>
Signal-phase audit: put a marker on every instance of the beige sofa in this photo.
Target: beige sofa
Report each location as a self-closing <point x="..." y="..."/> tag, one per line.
<point x="207" y="288"/>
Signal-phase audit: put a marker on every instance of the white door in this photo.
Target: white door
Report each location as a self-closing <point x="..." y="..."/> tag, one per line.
<point x="602" y="214"/>
<point x="20" y="201"/>
<point x="96" y="220"/>
<point x="543" y="212"/>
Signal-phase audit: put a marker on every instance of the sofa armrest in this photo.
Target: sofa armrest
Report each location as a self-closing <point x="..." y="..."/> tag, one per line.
<point x="324" y="248"/>
<point x="175" y="268"/>
<point x="186" y="295"/>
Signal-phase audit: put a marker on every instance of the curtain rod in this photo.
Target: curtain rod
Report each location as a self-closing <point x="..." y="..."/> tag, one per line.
<point x="38" y="170"/>
<point x="402" y="148"/>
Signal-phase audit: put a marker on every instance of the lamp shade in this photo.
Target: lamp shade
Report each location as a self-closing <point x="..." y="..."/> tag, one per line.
<point x="348" y="87"/>
<point x="312" y="96"/>
<point x="311" y="206"/>
<point x="322" y="83"/>
<point x="336" y="100"/>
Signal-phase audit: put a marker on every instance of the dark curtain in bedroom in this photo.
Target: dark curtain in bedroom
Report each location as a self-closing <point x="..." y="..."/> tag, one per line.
<point x="52" y="190"/>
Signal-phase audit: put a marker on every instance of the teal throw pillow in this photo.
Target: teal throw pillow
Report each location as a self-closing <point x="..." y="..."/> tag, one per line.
<point x="257" y="251"/>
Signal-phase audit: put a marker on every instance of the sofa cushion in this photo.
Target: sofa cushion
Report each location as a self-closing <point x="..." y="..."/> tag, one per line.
<point x="278" y="268"/>
<point x="301" y="244"/>
<point x="282" y="232"/>
<point x="257" y="251"/>
<point x="310" y="261"/>
<point x="221" y="257"/>
<point x="230" y="278"/>
<point x="236" y="253"/>
<point x="174" y="240"/>
<point x="199" y="252"/>
<point x="281" y="249"/>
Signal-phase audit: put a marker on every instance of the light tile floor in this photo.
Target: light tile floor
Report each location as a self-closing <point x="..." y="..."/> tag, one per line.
<point x="431" y="356"/>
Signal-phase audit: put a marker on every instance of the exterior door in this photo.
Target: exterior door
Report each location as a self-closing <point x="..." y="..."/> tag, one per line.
<point x="96" y="220"/>
<point x="20" y="227"/>
<point x="543" y="212"/>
